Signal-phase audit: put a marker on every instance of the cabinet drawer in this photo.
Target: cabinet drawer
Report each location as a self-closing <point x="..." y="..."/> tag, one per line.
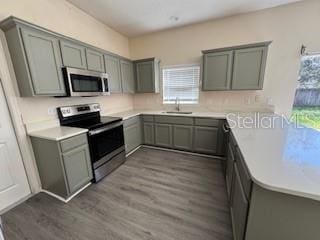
<point x="174" y="120"/>
<point x="131" y="121"/>
<point x="73" y="142"/>
<point x="244" y="174"/>
<point x="210" y="122"/>
<point x="147" y="118"/>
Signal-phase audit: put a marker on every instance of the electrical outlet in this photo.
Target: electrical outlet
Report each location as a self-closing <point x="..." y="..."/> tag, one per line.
<point x="52" y="111"/>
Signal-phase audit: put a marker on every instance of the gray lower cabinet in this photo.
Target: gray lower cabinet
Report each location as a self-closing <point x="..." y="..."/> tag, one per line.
<point x="163" y="135"/>
<point x="147" y="75"/>
<point x="95" y="60"/>
<point x="182" y="137"/>
<point x="73" y="55"/>
<point x="132" y="133"/>
<point x="235" y="68"/>
<point x="114" y="73"/>
<point x="205" y="139"/>
<point x="148" y="133"/>
<point x="217" y="71"/>
<point x="78" y="167"/>
<point x="64" y="166"/>
<point x="127" y="76"/>
<point x="229" y="168"/>
<point x="239" y="206"/>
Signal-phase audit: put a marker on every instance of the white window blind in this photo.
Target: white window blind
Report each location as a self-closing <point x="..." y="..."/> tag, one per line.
<point x="181" y="82"/>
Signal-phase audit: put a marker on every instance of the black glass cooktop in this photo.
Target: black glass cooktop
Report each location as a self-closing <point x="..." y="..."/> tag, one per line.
<point x="93" y="123"/>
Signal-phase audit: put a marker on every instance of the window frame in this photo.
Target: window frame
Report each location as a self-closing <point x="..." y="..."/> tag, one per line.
<point x="181" y="66"/>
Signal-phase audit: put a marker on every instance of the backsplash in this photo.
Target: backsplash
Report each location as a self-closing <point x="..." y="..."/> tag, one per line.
<point x="211" y="101"/>
<point x="35" y="110"/>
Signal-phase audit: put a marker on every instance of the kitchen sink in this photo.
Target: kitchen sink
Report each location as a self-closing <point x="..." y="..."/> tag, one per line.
<point x="177" y="112"/>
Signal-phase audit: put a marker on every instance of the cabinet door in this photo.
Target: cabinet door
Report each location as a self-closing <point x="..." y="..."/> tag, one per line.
<point x="229" y="169"/>
<point x="148" y="133"/>
<point x="205" y="140"/>
<point x="73" y="55"/>
<point x="132" y="137"/>
<point x="248" y="70"/>
<point x="182" y="137"/>
<point x="44" y="61"/>
<point x="127" y="78"/>
<point x="114" y="74"/>
<point x="145" y="77"/>
<point x="163" y="135"/>
<point x="78" y="167"/>
<point x="217" y="70"/>
<point x="95" y="61"/>
<point x="239" y="207"/>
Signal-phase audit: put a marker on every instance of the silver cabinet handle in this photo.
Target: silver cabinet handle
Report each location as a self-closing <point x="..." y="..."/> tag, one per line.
<point x="225" y="128"/>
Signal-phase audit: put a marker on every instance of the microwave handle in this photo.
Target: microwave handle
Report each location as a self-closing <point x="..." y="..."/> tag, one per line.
<point x="105" y="86"/>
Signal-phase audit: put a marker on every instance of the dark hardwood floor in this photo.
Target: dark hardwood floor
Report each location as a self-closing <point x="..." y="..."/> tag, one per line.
<point x="156" y="194"/>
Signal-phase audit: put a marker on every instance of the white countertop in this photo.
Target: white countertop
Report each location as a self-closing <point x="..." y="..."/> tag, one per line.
<point x="57" y="133"/>
<point x="282" y="158"/>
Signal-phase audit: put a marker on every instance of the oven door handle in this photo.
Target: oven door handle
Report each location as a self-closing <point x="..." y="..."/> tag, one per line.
<point x="106" y="128"/>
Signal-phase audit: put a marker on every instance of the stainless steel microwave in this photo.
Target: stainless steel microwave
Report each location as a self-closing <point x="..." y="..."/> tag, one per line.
<point x="84" y="83"/>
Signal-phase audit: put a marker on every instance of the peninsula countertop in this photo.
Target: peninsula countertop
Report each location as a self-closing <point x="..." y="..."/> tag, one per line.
<point x="282" y="157"/>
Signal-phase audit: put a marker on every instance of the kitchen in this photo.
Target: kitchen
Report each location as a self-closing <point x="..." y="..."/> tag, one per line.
<point x="115" y="128"/>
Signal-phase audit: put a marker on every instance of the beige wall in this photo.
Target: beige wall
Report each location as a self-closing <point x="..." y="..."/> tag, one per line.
<point x="288" y="27"/>
<point x="62" y="17"/>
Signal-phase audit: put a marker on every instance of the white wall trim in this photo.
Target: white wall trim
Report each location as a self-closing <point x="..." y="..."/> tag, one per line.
<point x="12" y="95"/>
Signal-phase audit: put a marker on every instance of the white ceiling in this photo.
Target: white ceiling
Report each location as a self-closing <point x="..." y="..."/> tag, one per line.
<point x="137" y="17"/>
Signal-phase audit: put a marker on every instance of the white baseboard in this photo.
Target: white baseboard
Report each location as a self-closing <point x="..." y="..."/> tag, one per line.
<point x="69" y="198"/>
<point x="127" y="155"/>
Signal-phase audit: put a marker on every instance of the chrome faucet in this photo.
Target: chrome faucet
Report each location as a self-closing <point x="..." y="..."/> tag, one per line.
<point x="178" y="104"/>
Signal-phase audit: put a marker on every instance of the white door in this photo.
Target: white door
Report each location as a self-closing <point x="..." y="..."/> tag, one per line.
<point x="13" y="180"/>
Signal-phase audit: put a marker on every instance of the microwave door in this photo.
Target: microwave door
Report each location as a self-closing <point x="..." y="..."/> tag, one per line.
<point x="82" y="85"/>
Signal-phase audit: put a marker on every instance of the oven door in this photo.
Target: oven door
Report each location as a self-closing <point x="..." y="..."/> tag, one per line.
<point x="105" y="143"/>
<point x="84" y="83"/>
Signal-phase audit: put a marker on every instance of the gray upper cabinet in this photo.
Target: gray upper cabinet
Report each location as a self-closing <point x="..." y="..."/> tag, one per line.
<point x="248" y="69"/>
<point x="235" y="68"/>
<point x="217" y="71"/>
<point x="147" y="75"/>
<point x="36" y="60"/>
<point x="73" y="55"/>
<point x="127" y="76"/>
<point x="44" y="61"/>
<point x="114" y="72"/>
<point x="95" y="61"/>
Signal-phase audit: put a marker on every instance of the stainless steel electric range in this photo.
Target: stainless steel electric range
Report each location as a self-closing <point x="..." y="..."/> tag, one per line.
<point x="105" y="136"/>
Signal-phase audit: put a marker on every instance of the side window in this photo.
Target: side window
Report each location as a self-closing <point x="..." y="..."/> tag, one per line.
<point x="306" y="107"/>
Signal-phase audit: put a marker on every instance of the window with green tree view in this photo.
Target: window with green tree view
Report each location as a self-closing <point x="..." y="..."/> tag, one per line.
<point x="306" y="107"/>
